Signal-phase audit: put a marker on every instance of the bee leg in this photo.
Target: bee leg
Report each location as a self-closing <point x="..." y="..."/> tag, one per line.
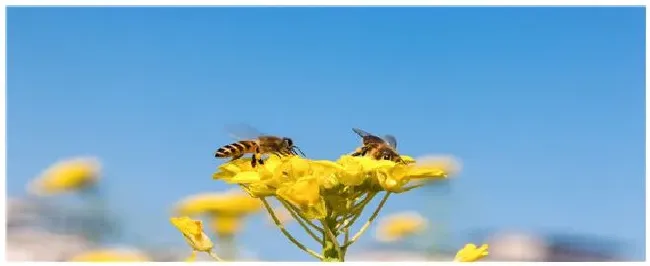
<point x="360" y="151"/>
<point x="257" y="159"/>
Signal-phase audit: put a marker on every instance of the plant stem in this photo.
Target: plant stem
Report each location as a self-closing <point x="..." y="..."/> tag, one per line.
<point x="213" y="256"/>
<point x="357" y="210"/>
<point x="302" y="221"/>
<point x="367" y="224"/>
<point x="286" y="233"/>
<point x="294" y="211"/>
<point x="331" y="248"/>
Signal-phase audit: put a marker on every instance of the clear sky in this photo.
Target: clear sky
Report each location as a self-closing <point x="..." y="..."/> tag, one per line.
<point x="545" y="106"/>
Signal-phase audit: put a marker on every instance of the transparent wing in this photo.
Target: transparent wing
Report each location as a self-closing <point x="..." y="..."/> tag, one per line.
<point x="361" y="133"/>
<point x="242" y="131"/>
<point x="392" y="141"/>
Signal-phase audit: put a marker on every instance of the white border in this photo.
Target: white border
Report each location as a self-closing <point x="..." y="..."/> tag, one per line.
<point x="308" y="3"/>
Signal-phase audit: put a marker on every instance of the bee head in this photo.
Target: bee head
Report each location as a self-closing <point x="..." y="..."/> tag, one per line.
<point x="288" y="145"/>
<point x="287" y="142"/>
<point x="390" y="155"/>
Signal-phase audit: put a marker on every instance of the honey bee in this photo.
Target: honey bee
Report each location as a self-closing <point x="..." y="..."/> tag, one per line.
<point x="377" y="148"/>
<point x="257" y="144"/>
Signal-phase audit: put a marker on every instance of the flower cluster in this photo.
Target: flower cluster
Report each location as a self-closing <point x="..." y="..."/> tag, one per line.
<point x="313" y="185"/>
<point x="333" y="193"/>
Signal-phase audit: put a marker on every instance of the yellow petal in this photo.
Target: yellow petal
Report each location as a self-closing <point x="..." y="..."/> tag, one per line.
<point x="272" y="163"/>
<point x="372" y="165"/>
<point x="470" y="253"/>
<point x="223" y="175"/>
<point x="244" y="178"/>
<point x="328" y="164"/>
<point x="450" y="165"/>
<point x="230" y="167"/>
<point x="192" y="230"/>
<point x="298" y="166"/>
<point x="328" y="181"/>
<point x="303" y="192"/>
<point x="407" y="159"/>
<point x="259" y="189"/>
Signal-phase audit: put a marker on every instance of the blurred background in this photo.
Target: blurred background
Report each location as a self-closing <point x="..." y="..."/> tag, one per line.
<point x="113" y="116"/>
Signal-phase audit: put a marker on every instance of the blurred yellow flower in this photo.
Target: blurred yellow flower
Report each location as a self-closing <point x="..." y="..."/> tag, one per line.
<point x="226" y="209"/>
<point x="226" y="225"/>
<point x="66" y="176"/>
<point x="231" y="202"/>
<point x="110" y="255"/>
<point x="471" y="253"/>
<point x="192" y="230"/>
<point x="399" y="226"/>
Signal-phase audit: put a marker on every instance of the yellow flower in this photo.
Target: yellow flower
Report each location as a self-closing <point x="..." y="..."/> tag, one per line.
<point x="226" y="209"/>
<point x="304" y="194"/>
<point x="226" y="225"/>
<point x="231" y="202"/>
<point x="65" y="176"/>
<point x="399" y="226"/>
<point x="240" y="171"/>
<point x="110" y="255"/>
<point x="389" y="175"/>
<point x="471" y="253"/>
<point x="192" y="230"/>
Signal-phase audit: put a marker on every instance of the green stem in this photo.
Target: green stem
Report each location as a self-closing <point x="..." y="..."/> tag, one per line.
<point x="356" y="211"/>
<point x="286" y="233"/>
<point x="367" y="224"/>
<point x="212" y="255"/>
<point x="331" y="249"/>
<point x="303" y="222"/>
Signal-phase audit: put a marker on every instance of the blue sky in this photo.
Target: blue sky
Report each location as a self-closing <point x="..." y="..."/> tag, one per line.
<point x="545" y="106"/>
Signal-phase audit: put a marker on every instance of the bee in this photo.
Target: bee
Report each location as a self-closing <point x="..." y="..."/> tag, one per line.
<point x="257" y="144"/>
<point x="377" y="148"/>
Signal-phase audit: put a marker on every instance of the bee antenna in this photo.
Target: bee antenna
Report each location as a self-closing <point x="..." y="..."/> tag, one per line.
<point x="295" y="148"/>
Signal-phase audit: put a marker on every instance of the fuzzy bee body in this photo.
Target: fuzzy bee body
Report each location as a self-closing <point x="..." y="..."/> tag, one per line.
<point x="376" y="147"/>
<point x="280" y="146"/>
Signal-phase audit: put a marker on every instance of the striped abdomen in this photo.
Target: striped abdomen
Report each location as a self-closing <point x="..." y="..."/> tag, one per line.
<point x="237" y="149"/>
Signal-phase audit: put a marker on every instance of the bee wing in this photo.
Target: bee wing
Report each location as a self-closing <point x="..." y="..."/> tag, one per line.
<point x="242" y="131"/>
<point x="361" y="133"/>
<point x="392" y="141"/>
